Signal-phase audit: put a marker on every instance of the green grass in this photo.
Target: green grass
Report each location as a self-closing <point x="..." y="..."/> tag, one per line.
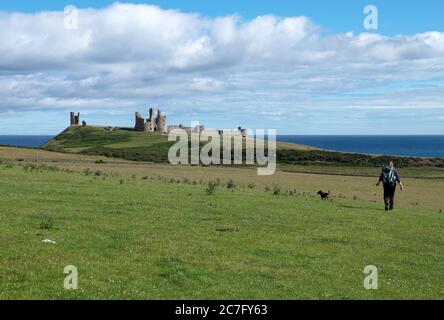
<point x="425" y="172"/>
<point x="153" y="147"/>
<point x="124" y="143"/>
<point x="135" y="238"/>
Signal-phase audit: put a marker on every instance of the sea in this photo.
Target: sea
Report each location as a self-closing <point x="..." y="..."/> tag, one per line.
<point x="24" y="141"/>
<point x="415" y="146"/>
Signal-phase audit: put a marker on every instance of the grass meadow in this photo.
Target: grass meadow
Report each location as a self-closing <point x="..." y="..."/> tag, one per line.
<point x="145" y="232"/>
<point x="126" y="143"/>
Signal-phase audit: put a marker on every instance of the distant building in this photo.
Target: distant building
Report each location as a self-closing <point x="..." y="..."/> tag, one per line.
<point x="74" y="118"/>
<point x="196" y="129"/>
<point x="152" y="124"/>
<point x="233" y="133"/>
<point x="159" y="123"/>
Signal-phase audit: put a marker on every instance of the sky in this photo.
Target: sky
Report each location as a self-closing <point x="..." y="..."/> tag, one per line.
<point x="301" y="67"/>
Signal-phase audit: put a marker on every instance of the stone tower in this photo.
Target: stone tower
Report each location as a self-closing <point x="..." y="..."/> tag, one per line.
<point x="140" y="122"/>
<point x="150" y="124"/>
<point x="153" y="123"/>
<point x="161" y="123"/>
<point x="74" y="118"/>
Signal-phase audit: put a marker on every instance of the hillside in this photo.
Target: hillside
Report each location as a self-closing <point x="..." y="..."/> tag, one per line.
<point x="124" y="143"/>
<point x="153" y="147"/>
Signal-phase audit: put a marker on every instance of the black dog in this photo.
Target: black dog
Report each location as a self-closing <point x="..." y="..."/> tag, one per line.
<point x="324" y="196"/>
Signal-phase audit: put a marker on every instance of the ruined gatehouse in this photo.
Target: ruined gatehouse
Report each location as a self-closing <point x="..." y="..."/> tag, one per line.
<point x="153" y="123"/>
<point x="75" y="118"/>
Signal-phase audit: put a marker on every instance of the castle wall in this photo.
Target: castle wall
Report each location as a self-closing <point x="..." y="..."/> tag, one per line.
<point x="161" y="122"/>
<point x="196" y="129"/>
<point x="150" y="123"/>
<point x="139" y="123"/>
<point x="74" y="118"/>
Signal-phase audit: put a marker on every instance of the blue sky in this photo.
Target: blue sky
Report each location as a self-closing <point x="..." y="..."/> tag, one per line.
<point x="396" y="16"/>
<point x="302" y="67"/>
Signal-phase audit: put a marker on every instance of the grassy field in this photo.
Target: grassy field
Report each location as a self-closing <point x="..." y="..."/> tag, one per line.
<point x="153" y="147"/>
<point x="124" y="143"/>
<point x="146" y="231"/>
<point x="354" y="183"/>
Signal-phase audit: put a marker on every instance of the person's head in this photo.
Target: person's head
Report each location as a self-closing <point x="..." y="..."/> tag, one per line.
<point x="390" y="164"/>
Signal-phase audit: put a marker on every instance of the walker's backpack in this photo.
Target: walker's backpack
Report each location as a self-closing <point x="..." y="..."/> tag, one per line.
<point x="388" y="175"/>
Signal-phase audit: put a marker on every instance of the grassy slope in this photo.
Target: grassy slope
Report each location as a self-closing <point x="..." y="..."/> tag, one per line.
<point x="154" y="147"/>
<point x="153" y="239"/>
<point x="127" y="144"/>
<point x="123" y="143"/>
<point x="75" y="137"/>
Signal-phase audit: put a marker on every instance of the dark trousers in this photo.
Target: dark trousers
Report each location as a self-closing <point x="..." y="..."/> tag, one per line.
<point x="389" y="195"/>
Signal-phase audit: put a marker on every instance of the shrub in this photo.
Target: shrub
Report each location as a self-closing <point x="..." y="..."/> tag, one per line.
<point x="211" y="188"/>
<point x="267" y="189"/>
<point x="99" y="161"/>
<point x="276" y="190"/>
<point x="87" y="172"/>
<point x="52" y="168"/>
<point x="231" y="184"/>
<point x="121" y="181"/>
<point x="46" y="224"/>
<point x="251" y="186"/>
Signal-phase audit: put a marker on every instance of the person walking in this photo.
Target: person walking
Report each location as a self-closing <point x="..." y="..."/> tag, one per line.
<point x="389" y="178"/>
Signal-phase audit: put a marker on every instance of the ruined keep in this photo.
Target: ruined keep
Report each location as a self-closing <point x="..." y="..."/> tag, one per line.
<point x="74" y="118"/>
<point x="157" y="122"/>
<point x="161" y="123"/>
<point x="152" y="124"/>
<point x="140" y="122"/>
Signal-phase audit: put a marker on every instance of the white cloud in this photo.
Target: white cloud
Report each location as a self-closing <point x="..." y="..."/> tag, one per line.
<point x="127" y="55"/>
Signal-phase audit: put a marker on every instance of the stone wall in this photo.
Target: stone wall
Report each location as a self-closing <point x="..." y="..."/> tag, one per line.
<point x="140" y="123"/>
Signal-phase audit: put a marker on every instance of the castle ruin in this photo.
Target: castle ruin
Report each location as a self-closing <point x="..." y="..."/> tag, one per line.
<point x="75" y="118"/>
<point x="196" y="129"/>
<point x="158" y="123"/>
<point x="152" y="124"/>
